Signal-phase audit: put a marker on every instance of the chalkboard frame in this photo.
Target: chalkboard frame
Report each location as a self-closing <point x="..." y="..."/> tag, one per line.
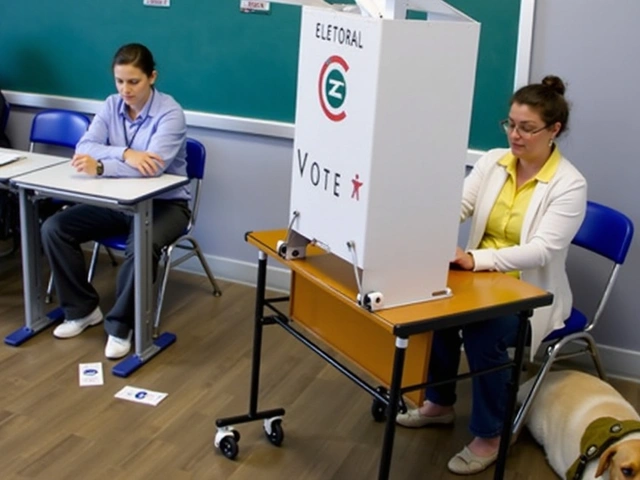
<point x="21" y="92"/>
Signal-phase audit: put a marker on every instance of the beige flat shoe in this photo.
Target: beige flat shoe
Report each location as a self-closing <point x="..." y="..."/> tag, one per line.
<point x="468" y="463"/>
<point x="413" y="419"/>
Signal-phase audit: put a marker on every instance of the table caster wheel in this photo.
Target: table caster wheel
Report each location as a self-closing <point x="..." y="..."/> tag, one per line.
<point x="229" y="447"/>
<point x="273" y="430"/>
<point x="226" y="440"/>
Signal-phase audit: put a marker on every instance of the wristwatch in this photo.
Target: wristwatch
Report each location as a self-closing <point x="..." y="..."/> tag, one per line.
<point x="99" y="168"/>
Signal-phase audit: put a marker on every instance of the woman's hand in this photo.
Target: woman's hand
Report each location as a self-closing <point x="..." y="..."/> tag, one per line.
<point x="84" y="163"/>
<point x="147" y="163"/>
<point x="463" y="259"/>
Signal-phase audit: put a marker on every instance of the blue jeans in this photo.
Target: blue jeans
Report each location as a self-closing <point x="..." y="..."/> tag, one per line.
<point x="485" y="344"/>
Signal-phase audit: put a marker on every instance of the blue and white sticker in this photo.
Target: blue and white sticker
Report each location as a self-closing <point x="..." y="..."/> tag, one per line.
<point x="141" y="395"/>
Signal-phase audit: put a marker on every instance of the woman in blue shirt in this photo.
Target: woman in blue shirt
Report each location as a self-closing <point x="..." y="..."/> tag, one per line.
<point x="139" y="132"/>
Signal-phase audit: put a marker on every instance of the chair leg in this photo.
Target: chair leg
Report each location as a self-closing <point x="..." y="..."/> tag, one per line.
<point x="94" y="261"/>
<point x="114" y="262"/>
<point x="49" y="296"/>
<point x="521" y="416"/>
<point x="595" y="356"/>
<point x="205" y="266"/>
<point x="163" y="272"/>
<point x="164" y="277"/>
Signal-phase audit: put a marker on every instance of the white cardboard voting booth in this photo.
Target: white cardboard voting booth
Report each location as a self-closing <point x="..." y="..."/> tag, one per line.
<point x="382" y="125"/>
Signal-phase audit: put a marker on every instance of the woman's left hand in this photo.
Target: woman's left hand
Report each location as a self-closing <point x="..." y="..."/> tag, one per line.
<point x="464" y="259"/>
<point x="84" y="164"/>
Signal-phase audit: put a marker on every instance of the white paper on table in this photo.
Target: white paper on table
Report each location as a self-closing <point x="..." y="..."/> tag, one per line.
<point x="9" y="157"/>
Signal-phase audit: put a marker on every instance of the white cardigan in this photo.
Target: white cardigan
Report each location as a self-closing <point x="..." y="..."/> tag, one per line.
<point x="553" y="217"/>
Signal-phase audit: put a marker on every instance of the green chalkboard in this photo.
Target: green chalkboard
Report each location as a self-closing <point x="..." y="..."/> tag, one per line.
<point x="210" y="56"/>
<point x="495" y="74"/>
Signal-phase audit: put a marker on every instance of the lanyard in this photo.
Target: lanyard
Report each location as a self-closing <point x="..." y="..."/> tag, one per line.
<point x="124" y="124"/>
<point x="126" y="137"/>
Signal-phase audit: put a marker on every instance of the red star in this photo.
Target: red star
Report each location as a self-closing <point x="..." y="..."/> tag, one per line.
<point x="356" y="187"/>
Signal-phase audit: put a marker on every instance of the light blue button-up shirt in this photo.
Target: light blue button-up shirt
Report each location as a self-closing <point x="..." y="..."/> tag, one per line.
<point x="160" y="128"/>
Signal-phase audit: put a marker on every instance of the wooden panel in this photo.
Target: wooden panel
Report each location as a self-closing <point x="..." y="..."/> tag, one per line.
<point x="353" y="333"/>
<point x="472" y="291"/>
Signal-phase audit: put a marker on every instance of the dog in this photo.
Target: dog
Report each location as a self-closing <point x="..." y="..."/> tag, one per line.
<point x="566" y="404"/>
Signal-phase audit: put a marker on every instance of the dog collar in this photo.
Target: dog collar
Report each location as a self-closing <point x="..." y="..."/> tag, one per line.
<point x="599" y="435"/>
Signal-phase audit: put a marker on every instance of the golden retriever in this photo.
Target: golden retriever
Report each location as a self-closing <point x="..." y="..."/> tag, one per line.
<point x="567" y="402"/>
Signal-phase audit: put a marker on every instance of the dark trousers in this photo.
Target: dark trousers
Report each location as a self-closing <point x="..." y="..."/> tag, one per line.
<point x="485" y="344"/>
<point x="64" y="232"/>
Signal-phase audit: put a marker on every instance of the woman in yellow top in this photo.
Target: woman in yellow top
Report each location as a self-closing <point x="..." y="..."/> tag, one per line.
<point x="526" y="204"/>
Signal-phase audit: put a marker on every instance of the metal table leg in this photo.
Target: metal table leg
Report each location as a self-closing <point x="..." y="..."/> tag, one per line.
<point x="505" y="439"/>
<point x="392" y="408"/>
<point x="145" y="347"/>
<point x="35" y="319"/>
<point x="225" y="438"/>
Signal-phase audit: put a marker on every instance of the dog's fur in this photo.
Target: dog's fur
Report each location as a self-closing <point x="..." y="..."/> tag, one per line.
<point x="567" y="402"/>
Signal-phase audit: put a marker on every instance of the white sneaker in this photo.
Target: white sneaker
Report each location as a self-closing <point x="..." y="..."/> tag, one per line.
<point x="71" y="328"/>
<point x="117" y="347"/>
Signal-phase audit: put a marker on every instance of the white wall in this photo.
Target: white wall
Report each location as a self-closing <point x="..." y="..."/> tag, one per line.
<point x="594" y="46"/>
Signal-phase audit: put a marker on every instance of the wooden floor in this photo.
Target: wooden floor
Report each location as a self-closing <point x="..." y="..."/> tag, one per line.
<point x="50" y="428"/>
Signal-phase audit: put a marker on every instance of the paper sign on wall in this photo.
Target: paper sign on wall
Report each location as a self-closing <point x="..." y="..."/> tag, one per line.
<point x="251" y="6"/>
<point x="157" y="3"/>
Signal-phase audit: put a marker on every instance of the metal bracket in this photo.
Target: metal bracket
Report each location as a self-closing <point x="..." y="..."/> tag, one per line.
<point x="372" y="301"/>
<point x="294" y="246"/>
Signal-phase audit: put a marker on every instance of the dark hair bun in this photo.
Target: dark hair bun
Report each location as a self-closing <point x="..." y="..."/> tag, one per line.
<point x="554" y="83"/>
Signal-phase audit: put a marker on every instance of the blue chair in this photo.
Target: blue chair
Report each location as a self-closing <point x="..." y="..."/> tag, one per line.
<point x="62" y="128"/>
<point x="607" y="233"/>
<point x="4" y="120"/>
<point x="196" y="157"/>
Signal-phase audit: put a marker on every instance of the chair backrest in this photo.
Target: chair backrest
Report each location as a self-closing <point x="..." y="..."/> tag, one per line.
<point x="196" y="158"/>
<point x="606" y="232"/>
<point x="63" y="128"/>
<point x="5" y="108"/>
<point x="4" y="118"/>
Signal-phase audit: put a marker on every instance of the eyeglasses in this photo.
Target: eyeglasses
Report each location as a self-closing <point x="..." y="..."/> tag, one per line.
<point x="525" y="131"/>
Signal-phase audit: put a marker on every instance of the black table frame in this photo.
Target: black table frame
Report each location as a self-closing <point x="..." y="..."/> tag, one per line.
<point x="393" y="398"/>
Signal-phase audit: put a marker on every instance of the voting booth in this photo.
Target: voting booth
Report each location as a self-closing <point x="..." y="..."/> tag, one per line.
<point x="382" y="125"/>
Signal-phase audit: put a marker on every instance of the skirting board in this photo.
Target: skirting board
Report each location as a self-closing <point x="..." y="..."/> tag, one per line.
<point x="618" y="362"/>
<point x="236" y="271"/>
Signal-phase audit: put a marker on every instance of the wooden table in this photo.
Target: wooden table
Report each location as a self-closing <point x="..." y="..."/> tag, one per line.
<point x="393" y="345"/>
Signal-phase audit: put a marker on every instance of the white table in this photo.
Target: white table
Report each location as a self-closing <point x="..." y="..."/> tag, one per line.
<point x="30" y="162"/>
<point x="133" y="195"/>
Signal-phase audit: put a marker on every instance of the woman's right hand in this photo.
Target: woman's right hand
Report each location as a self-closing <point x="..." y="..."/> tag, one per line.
<point x="463" y="259"/>
<point x="147" y="163"/>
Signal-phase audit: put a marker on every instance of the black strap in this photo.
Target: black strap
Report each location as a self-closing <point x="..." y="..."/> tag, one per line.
<point x="124" y="123"/>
